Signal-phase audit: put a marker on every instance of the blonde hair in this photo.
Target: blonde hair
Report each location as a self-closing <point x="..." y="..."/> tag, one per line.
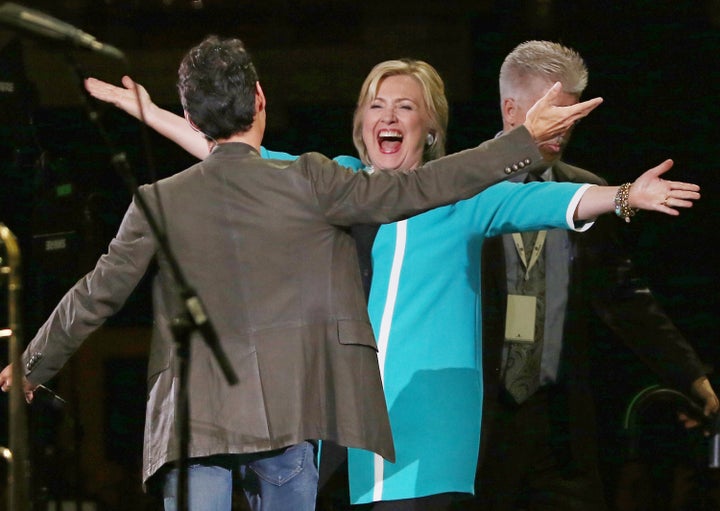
<point x="545" y="60"/>
<point x="433" y="90"/>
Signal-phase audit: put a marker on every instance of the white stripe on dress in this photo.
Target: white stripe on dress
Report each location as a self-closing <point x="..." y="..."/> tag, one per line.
<point x="384" y="334"/>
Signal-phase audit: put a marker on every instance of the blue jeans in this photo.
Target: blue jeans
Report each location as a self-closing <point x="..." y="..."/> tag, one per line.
<point x="273" y="481"/>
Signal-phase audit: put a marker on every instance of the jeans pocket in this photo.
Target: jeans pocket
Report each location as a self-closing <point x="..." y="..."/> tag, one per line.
<point x="280" y="469"/>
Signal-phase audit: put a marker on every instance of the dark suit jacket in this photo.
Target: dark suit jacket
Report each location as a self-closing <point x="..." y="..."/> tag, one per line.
<point x="602" y="282"/>
<point x="266" y="246"/>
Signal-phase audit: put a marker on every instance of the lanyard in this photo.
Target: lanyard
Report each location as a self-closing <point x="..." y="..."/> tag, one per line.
<point x="537" y="248"/>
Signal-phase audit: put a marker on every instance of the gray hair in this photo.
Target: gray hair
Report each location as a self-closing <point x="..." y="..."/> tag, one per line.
<point x="545" y="60"/>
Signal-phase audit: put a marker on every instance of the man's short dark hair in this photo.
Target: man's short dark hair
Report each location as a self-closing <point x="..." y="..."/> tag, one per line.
<point x="216" y="82"/>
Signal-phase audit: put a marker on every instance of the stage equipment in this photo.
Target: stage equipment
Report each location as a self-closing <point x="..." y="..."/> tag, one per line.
<point x="38" y="25"/>
<point x="19" y="473"/>
<point x="683" y="403"/>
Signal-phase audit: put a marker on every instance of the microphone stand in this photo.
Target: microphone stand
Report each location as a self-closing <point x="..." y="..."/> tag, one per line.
<point x="192" y="318"/>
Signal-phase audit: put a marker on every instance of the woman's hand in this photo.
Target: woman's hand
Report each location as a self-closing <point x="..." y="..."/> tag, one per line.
<point x="651" y="192"/>
<point x="127" y="98"/>
<point x="165" y="122"/>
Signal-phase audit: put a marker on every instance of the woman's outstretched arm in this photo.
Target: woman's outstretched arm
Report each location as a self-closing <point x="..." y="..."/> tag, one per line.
<point x="170" y="125"/>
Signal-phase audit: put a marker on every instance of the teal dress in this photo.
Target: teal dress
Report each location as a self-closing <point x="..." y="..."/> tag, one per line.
<point x="425" y="310"/>
<point x="424" y="306"/>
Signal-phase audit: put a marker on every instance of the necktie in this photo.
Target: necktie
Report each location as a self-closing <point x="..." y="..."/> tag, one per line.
<point x="522" y="369"/>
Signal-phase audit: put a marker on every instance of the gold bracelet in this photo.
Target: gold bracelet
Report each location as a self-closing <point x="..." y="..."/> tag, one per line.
<point x="622" y="203"/>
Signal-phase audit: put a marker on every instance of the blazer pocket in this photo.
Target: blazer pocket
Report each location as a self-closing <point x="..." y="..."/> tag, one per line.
<point x="353" y="331"/>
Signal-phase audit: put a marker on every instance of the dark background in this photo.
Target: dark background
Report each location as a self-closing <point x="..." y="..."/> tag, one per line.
<point x="655" y="63"/>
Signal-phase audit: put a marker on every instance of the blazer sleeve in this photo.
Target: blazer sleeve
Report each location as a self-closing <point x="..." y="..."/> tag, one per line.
<point x="383" y="197"/>
<point x="94" y="298"/>
<point x="627" y="306"/>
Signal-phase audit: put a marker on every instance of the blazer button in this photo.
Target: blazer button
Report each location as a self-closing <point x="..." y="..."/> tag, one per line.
<point x="32" y="361"/>
<point x="508" y="170"/>
<point x="515" y="167"/>
<point x="527" y="161"/>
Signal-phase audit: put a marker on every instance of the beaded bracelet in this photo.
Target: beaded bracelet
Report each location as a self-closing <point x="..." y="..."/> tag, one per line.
<point x="622" y="203"/>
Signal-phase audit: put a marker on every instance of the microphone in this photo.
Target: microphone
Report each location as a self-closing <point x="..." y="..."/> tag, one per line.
<point x="43" y="26"/>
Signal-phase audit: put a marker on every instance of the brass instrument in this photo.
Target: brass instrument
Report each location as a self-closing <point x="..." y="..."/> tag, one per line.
<point x="17" y="454"/>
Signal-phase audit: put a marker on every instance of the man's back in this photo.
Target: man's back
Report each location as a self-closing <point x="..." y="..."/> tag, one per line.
<point x="281" y="287"/>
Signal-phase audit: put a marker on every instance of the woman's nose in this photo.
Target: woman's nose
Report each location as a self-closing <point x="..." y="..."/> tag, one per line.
<point x="389" y="115"/>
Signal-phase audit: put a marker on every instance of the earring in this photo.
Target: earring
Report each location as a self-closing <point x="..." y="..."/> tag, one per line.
<point x="430" y="139"/>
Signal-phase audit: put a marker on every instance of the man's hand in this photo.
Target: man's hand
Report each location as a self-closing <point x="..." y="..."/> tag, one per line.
<point x="546" y="121"/>
<point x="6" y="383"/>
<point x="702" y="390"/>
